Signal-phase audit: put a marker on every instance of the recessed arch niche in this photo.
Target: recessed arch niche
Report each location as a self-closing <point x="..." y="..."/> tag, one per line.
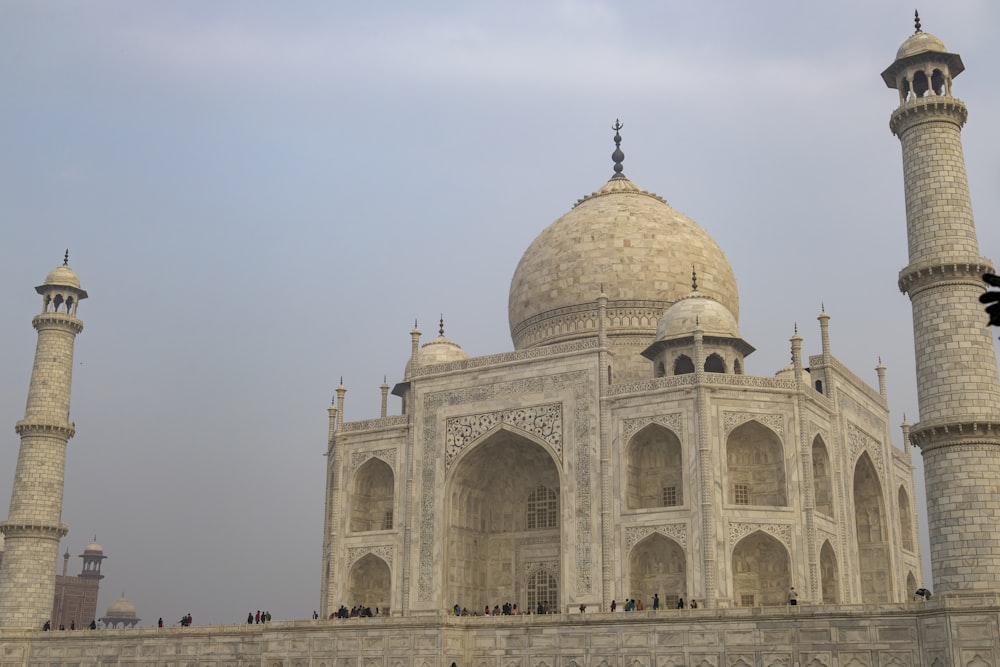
<point x="872" y="534"/>
<point x="822" y="481"/>
<point x="755" y="466"/>
<point x="369" y="584"/>
<point x="905" y="519"/>
<point x="372" y="498"/>
<point x="657" y="564"/>
<point x="655" y="470"/>
<point x="761" y="571"/>
<point x="829" y="574"/>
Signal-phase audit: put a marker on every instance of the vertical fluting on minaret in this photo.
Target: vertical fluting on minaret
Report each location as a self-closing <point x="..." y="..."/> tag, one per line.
<point x="957" y="383"/>
<point x="34" y="524"/>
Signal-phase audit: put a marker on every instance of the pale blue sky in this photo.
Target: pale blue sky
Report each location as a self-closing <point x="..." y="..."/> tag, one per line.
<point x="261" y="197"/>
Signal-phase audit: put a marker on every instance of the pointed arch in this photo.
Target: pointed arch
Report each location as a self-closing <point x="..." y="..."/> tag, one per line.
<point x="829" y="574"/>
<point x="872" y="534"/>
<point x="683" y="365"/>
<point x="761" y="571"/>
<point x="822" y="480"/>
<point x="369" y="583"/>
<point x="715" y="363"/>
<point x="372" y="497"/>
<point x="905" y="518"/>
<point x="502" y="518"/>
<point x="657" y="564"/>
<point x="755" y="466"/>
<point x="655" y="468"/>
<point x="911" y="583"/>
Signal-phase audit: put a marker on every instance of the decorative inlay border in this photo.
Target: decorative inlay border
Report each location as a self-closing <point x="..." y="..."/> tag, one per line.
<point x="374" y="424"/>
<point x="577" y="426"/>
<point x="858" y="441"/>
<point x="673" y="421"/>
<point x="506" y="357"/>
<point x="543" y="421"/>
<point x="387" y="455"/>
<point x="549" y="566"/>
<point x="739" y="530"/>
<point x="385" y="552"/>
<point x="774" y="422"/>
<point x="675" y="531"/>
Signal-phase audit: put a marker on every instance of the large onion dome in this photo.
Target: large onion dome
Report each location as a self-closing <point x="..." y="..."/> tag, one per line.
<point x="623" y="241"/>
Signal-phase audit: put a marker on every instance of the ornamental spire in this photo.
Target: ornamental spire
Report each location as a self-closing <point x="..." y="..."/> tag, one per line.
<point x="618" y="156"/>
<point x="916" y="21"/>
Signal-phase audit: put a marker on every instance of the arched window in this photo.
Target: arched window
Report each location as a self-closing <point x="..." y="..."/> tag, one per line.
<point x="920" y="86"/>
<point x="543" y="508"/>
<point x="542" y="591"/>
<point x="683" y="365"/>
<point x="715" y="364"/>
<point x="819" y="386"/>
<point x="737" y="367"/>
<point x="661" y="370"/>
<point x="937" y="82"/>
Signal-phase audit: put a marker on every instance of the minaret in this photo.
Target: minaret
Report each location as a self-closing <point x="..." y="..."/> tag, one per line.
<point x="33" y="527"/>
<point x="957" y="384"/>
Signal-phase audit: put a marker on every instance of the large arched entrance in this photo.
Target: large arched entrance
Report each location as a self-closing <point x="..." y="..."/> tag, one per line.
<point x="872" y="533"/>
<point x="369" y="584"/>
<point x="761" y="571"/>
<point x="657" y="566"/>
<point x="503" y="525"/>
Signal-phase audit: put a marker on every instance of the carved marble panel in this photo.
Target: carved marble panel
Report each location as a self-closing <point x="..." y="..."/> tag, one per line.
<point x="541" y="421"/>
<point x="387" y="455"/>
<point x="858" y="441"/>
<point x="385" y="552"/>
<point x="675" y="531"/>
<point x="738" y="530"/>
<point x="733" y="419"/>
<point x="673" y="421"/>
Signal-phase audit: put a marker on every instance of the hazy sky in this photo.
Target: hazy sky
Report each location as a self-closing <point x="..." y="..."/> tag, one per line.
<point x="260" y="198"/>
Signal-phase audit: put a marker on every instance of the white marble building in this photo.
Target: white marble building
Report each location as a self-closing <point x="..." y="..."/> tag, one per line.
<point x="621" y="450"/>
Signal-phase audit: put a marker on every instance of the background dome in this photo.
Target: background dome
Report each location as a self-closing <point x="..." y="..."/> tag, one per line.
<point x="440" y="351"/>
<point x="633" y="244"/>
<point x="121" y="608"/>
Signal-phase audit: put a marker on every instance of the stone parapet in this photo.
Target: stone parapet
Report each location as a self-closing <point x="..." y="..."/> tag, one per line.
<point x="921" y="634"/>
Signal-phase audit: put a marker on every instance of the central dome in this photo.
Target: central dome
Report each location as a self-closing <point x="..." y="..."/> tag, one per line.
<point x="626" y="241"/>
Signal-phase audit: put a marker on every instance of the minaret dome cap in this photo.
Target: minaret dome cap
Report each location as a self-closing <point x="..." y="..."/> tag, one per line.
<point x="63" y="276"/>
<point x="920" y="42"/>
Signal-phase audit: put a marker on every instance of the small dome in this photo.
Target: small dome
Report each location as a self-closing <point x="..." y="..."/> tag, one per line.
<point x="440" y="351"/>
<point x="920" y="42"/>
<point x="696" y="309"/>
<point x="121" y="608"/>
<point x="788" y="373"/>
<point x="63" y="275"/>
<point x="94" y="548"/>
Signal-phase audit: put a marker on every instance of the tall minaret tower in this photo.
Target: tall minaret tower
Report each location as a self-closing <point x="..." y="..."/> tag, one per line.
<point x="957" y="383"/>
<point x="33" y="528"/>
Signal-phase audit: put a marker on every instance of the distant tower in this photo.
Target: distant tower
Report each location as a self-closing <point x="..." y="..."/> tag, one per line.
<point x="33" y="527"/>
<point x="957" y="383"/>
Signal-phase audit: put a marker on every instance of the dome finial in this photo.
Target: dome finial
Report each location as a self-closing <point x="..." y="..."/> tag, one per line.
<point x="916" y="21"/>
<point x="618" y="156"/>
<point x="694" y="279"/>
<point x="66" y="258"/>
<point x="441" y="325"/>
